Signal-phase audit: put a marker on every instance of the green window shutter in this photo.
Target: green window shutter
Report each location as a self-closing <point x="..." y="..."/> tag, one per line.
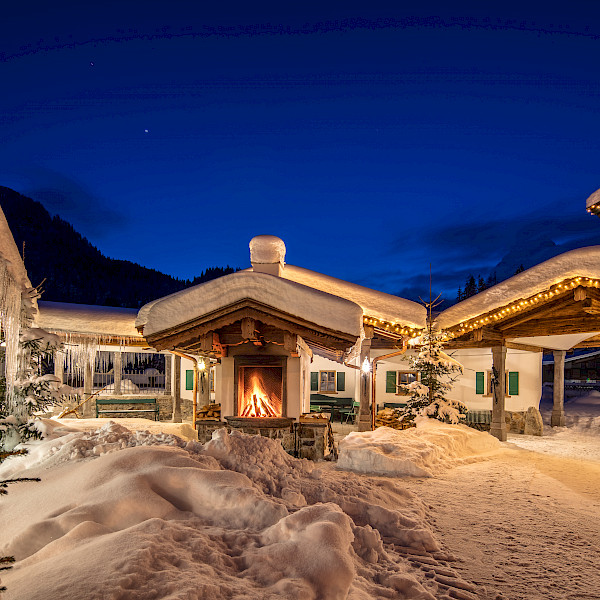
<point x="341" y="381"/>
<point x="189" y="380"/>
<point x="479" y="382"/>
<point x="390" y="382"/>
<point x="314" y="381"/>
<point x="513" y="383"/>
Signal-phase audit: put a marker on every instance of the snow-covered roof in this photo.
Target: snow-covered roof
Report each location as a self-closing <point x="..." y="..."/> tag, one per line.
<point x="87" y="319"/>
<point x="583" y="262"/>
<point x="373" y="303"/>
<point x="10" y="257"/>
<point x="10" y="253"/>
<point x="289" y="297"/>
<point x="593" y="199"/>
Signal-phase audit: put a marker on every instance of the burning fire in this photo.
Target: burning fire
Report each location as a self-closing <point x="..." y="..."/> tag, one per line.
<point x="258" y="403"/>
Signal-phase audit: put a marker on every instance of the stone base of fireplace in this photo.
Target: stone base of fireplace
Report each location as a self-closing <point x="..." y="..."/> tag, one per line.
<point x="304" y="440"/>
<point x="275" y="428"/>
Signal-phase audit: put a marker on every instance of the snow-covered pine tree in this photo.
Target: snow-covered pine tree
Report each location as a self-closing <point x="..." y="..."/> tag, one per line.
<point x="437" y="372"/>
<point x="32" y="392"/>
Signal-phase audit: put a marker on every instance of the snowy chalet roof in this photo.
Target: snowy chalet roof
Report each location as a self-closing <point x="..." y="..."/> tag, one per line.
<point x="286" y="296"/>
<point x="592" y="204"/>
<point x="103" y="321"/>
<point x="583" y="262"/>
<point x="378" y="305"/>
<point x="10" y="253"/>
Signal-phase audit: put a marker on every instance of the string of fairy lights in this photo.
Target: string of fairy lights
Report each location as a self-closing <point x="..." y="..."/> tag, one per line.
<point x="392" y="327"/>
<point x="512" y="308"/>
<point x="594" y="209"/>
<point x="493" y="316"/>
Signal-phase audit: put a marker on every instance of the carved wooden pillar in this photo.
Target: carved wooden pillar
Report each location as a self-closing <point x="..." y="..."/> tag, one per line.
<point x="557" y="418"/>
<point x="118" y="372"/>
<point x="498" y="426"/>
<point x="177" y="391"/>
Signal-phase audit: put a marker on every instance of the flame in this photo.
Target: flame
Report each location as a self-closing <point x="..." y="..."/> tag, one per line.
<point x="258" y="404"/>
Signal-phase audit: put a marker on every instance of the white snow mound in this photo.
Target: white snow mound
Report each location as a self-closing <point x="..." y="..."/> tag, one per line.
<point x="130" y="514"/>
<point x="420" y="451"/>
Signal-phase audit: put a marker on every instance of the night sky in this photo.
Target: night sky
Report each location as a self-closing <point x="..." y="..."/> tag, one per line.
<point x="373" y="140"/>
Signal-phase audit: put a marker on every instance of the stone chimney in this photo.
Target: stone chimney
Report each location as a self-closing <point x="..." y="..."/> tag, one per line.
<point x="267" y="254"/>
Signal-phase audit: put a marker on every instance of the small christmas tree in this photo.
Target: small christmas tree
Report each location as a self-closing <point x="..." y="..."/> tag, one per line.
<point x="31" y="392"/>
<point x="437" y="372"/>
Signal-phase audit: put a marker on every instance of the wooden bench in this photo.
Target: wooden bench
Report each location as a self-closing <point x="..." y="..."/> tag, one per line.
<point x="152" y="403"/>
<point x="331" y="403"/>
<point x="479" y="419"/>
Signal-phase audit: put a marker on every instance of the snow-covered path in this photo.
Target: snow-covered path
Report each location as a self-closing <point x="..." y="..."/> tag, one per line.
<point x="524" y="524"/>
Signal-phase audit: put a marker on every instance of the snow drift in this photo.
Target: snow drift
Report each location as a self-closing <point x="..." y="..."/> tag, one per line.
<point x="419" y="451"/>
<point x="137" y="515"/>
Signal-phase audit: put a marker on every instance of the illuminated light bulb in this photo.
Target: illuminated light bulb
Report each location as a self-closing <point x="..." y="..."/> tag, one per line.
<point x="366" y="366"/>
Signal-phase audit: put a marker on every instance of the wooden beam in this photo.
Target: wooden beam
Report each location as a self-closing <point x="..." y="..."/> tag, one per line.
<point x="290" y="341"/>
<point x="248" y="328"/>
<point x="369" y="331"/>
<point x="527" y="347"/>
<point x="579" y="293"/>
<point x="533" y="314"/>
<point x="556" y="326"/>
<point x="591" y="307"/>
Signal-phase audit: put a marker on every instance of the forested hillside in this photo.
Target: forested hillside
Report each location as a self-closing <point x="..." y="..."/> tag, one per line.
<point x="76" y="271"/>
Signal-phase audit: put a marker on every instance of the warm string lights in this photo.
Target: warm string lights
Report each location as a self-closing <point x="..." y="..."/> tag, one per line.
<point x="594" y="209"/>
<point x="391" y="327"/>
<point x="526" y="303"/>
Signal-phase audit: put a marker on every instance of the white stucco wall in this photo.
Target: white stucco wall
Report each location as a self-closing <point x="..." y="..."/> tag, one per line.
<point x="351" y="377"/>
<point x="528" y="365"/>
<point x="395" y="363"/>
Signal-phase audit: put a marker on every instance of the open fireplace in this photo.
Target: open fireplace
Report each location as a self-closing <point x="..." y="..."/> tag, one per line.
<point x="260" y="387"/>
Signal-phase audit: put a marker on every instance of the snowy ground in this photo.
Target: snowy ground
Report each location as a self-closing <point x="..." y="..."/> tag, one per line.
<point x="124" y="514"/>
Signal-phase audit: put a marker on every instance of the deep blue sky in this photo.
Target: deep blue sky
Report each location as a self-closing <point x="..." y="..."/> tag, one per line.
<point x="373" y="140"/>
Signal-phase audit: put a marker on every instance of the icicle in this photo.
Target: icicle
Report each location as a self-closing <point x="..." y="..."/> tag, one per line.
<point x="10" y="321"/>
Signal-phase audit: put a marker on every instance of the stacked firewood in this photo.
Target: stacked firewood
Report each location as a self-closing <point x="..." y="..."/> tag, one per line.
<point x="209" y="412"/>
<point x="314" y="416"/>
<point x="391" y="417"/>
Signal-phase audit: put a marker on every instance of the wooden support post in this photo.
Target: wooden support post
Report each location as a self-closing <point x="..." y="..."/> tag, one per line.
<point x="364" y="412"/>
<point x="88" y="385"/>
<point x="498" y="426"/>
<point x="118" y="372"/>
<point x="59" y="365"/>
<point x="177" y="391"/>
<point x="204" y="384"/>
<point x="168" y="373"/>
<point x="557" y="419"/>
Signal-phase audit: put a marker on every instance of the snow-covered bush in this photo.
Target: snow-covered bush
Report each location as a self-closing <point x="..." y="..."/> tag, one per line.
<point x="32" y="392"/>
<point x="437" y="372"/>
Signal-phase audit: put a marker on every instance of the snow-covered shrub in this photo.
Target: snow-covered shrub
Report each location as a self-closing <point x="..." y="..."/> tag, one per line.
<point x="32" y="392"/>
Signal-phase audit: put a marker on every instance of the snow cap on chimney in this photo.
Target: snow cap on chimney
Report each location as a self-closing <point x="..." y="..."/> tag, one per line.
<point x="267" y="254"/>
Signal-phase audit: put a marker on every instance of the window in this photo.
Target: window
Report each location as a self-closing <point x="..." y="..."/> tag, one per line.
<point x="394" y="379"/>
<point x="511" y="383"/>
<point x="327" y="382"/>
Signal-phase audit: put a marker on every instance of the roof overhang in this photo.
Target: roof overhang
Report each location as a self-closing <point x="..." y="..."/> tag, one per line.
<point x="249" y="307"/>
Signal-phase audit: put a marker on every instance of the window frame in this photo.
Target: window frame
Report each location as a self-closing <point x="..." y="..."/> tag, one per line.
<point x="399" y="383"/>
<point x="333" y="382"/>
